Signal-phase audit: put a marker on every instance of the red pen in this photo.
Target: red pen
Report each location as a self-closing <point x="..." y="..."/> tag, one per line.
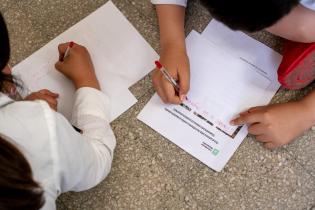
<point x="67" y="53"/>
<point x="167" y="75"/>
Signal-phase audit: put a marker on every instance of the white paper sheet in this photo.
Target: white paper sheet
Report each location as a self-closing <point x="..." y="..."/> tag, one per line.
<point x="46" y="77"/>
<point x="243" y="46"/>
<point x="222" y="85"/>
<point x="121" y="57"/>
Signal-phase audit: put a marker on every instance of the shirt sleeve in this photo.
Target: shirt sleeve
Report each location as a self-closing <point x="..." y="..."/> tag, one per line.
<point x="84" y="159"/>
<point x="310" y="4"/>
<point x="177" y="2"/>
<point x="91" y="115"/>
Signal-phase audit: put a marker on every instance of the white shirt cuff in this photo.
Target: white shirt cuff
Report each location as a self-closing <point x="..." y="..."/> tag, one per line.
<point x="177" y="2"/>
<point x="90" y="101"/>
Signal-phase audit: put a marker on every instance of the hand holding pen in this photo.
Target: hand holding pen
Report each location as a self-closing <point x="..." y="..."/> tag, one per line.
<point x="67" y="52"/>
<point x="76" y="64"/>
<point x="167" y="76"/>
<point x="172" y="86"/>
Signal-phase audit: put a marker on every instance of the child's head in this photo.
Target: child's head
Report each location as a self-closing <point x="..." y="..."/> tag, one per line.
<point x="4" y="55"/>
<point x="18" y="190"/>
<point x="4" y="44"/>
<point x="249" y="15"/>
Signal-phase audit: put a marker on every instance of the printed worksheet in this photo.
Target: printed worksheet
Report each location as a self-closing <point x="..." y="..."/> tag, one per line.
<point x="121" y="57"/>
<point x="243" y="46"/>
<point x="222" y="86"/>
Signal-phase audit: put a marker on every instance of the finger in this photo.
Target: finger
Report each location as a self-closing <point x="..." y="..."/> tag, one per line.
<point x="50" y="100"/>
<point x="7" y="70"/>
<point x="62" y="49"/>
<point x="160" y="93"/>
<point x="256" y="129"/>
<point x="270" y="145"/>
<point x="49" y="93"/>
<point x="184" y="81"/>
<point x="58" y="65"/>
<point x="170" y="93"/>
<point x="253" y="109"/>
<point x="247" y="119"/>
<point x="54" y="107"/>
<point x="34" y="96"/>
<point x="157" y="85"/>
<point x="262" y="138"/>
<point x="256" y="109"/>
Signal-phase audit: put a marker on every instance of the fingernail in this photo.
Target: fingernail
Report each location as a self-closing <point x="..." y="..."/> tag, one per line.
<point x="183" y="98"/>
<point x="245" y="112"/>
<point x="232" y="122"/>
<point x="12" y="91"/>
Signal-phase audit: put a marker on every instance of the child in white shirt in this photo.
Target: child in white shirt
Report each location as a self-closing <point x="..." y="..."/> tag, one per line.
<point x="41" y="154"/>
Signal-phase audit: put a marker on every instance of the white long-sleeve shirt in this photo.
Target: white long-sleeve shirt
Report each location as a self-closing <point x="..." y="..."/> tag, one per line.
<point x="178" y="2"/>
<point x="61" y="158"/>
<point x="306" y="3"/>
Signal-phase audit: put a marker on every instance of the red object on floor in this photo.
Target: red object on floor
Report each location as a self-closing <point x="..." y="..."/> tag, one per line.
<point x="297" y="68"/>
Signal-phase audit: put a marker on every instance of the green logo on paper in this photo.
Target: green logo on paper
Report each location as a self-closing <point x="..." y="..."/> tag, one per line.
<point x="215" y="152"/>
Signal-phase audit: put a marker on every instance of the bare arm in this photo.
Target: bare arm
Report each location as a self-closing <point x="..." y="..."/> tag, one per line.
<point x="173" y="54"/>
<point x="298" y="25"/>
<point x="171" y="22"/>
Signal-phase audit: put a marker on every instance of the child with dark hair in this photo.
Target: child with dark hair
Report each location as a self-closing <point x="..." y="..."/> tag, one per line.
<point x="41" y="154"/>
<point x="294" y="20"/>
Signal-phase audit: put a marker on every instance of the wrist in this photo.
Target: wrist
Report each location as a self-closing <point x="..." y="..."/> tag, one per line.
<point x="308" y="107"/>
<point x="171" y="24"/>
<point x="92" y="83"/>
<point x="173" y="45"/>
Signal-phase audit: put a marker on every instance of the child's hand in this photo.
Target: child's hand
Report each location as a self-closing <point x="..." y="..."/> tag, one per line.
<point x="46" y="95"/>
<point x="78" y="66"/>
<point x="177" y="63"/>
<point x="7" y="70"/>
<point x="8" y="87"/>
<point x="276" y="125"/>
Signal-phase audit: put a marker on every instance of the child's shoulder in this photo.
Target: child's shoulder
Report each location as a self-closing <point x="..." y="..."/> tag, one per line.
<point x="29" y="111"/>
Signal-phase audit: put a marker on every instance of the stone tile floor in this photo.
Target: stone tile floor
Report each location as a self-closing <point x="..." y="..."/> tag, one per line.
<point x="148" y="171"/>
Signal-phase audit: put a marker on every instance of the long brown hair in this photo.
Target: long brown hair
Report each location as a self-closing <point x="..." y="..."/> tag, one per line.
<point x="18" y="190"/>
<point x="4" y="54"/>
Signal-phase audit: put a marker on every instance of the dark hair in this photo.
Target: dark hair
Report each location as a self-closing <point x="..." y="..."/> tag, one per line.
<point x="18" y="190"/>
<point x="4" y="54"/>
<point x="249" y="15"/>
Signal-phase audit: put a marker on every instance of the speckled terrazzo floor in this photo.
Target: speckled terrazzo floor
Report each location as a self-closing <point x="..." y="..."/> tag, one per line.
<point x="148" y="171"/>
